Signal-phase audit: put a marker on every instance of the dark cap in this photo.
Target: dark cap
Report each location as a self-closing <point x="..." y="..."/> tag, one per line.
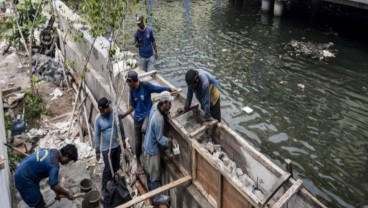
<point x="132" y="75"/>
<point x="103" y="103"/>
<point x="190" y="76"/>
<point x="139" y="19"/>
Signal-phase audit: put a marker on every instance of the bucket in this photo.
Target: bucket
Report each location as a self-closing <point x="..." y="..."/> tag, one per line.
<point x="86" y="185"/>
<point x="91" y="199"/>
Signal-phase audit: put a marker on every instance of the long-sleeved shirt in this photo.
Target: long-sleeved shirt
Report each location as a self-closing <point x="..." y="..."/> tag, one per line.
<point x="40" y="164"/>
<point x="140" y="99"/>
<point x="154" y="139"/>
<point x="104" y="128"/>
<point x="207" y="93"/>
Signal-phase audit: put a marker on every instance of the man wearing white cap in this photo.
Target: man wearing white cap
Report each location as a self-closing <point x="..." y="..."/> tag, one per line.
<point x="145" y="41"/>
<point x="154" y="142"/>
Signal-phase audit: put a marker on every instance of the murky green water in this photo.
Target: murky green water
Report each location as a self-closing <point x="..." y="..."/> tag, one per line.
<point x="322" y="128"/>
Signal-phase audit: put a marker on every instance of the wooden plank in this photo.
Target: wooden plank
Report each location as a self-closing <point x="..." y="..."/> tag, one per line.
<point x="219" y="190"/>
<point x="201" y="129"/>
<point x="288" y="194"/>
<point x="10" y="90"/>
<point x="156" y="191"/>
<point x="274" y="189"/>
<point x="179" y="128"/>
<point x="205" y="194"/>
<point x="150" y="73"/>
<point x="247" y="194"/>
<point x="232" y="197"/>
<point x="194" y="163"/>
<point x="193" y="107"/>
<point x="206" y="175"/>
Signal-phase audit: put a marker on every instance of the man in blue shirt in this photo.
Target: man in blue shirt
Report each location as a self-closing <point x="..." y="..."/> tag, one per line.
<point x="104" y="128"/>
<point x="206" y="88"/>
<point x="141" y="104"/>
<point x="154" y="142"/>
<point x="146" y="44"/>
<point x="40" y="165"/>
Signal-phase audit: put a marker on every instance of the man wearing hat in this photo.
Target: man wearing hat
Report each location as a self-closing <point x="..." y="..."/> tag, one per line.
<point x="145" y="42"/>
<point x="154" y="142"/>
<point x="106" y="139"/>
<point x="141" y="104"/>
<point x="206" y="88"/>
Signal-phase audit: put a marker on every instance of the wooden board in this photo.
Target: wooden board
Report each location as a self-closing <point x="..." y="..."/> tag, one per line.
<point x="288" y="194"/>
<point x="207" y="176"/>
<point x="231" y="197"/>
<point x="156" y="191"/>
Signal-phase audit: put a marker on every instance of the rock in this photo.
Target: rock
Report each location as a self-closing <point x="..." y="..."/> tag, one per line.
<point x="217" y="147"/>
<point x="239" y="172"/>
<point x="218" y="155"/>
<point x="210" y="147"/>
<point x="226" y="160"/>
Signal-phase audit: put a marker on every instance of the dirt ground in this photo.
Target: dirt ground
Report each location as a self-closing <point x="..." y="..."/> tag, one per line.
<point x="14" y="73"/>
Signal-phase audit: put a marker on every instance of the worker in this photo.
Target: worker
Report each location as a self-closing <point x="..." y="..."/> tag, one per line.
<point x="39" y="165"/>
<point x="141" y="104"/>
<point x="154" y="142"/>
<point x="206" y="88"/>
<point x="105" y="130"/>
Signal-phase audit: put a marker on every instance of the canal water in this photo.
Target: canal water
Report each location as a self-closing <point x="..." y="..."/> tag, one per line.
<point x="314" y="112"/>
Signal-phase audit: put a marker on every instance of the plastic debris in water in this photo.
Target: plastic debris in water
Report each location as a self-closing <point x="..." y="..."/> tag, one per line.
<point x="301" y="86"/>
<point x="247" y="109"/>
<point x="223" y="50"/>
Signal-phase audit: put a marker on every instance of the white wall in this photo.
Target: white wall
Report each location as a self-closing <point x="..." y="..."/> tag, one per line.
<point x="5" y="195"/>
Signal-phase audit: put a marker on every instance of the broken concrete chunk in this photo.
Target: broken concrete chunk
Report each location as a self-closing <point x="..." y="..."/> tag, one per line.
<point x="217" y="147"/>
<point x="239" y="172"/>
<point x="226" y="160"/>
<point x="218" y="155"/>
<point x="210" y="147"/>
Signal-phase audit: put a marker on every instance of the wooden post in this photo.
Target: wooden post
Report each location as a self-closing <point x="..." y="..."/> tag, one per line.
<point x="194" y="163"/>
<point x="219" y="190"/>
<point x="289" y="167"/>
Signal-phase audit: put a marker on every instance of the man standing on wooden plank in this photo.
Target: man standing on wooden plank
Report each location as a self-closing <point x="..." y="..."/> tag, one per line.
<point x="108" y="131"/>
<point x="141" y="104"/>
<point x="40" y="165"/>
<point x="145" y="41"/>
<point x="153" y="144"/>
<point x="206" y="88"/>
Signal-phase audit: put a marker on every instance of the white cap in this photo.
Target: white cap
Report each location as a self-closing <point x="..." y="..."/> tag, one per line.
<point x="166" y="96"/>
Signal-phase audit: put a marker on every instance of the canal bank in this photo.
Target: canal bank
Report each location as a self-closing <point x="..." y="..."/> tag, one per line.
<point x="322" y="128"/>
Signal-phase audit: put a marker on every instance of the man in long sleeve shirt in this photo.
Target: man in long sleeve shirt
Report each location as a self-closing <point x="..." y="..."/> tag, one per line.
<point x="39" y="165"/>
<point x="154" y="142"/>
<point x="104" y="128"/>
<point x="141" y="104"/>
<point x="206" y="88"/>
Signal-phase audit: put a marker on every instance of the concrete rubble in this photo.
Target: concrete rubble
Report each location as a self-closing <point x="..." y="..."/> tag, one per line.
<point x="225" y="163"/>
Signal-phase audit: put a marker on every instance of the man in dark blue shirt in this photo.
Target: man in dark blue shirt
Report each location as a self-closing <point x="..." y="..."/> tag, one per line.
<point x="146" y="44"/>
<point x="141" y="104"/>
<point x="40" y="165"/>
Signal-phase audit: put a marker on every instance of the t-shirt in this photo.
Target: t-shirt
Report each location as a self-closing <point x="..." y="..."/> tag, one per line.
<point x="145" y="38"/>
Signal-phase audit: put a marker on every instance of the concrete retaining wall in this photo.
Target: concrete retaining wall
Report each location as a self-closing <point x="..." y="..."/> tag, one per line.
<point x="96" y="79"/>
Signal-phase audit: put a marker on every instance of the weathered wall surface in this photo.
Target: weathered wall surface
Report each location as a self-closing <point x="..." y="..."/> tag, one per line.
<point x="97" y="81"/>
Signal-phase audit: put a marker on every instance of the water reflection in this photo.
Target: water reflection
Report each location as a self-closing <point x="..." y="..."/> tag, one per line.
<point x="322" y="128"/>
